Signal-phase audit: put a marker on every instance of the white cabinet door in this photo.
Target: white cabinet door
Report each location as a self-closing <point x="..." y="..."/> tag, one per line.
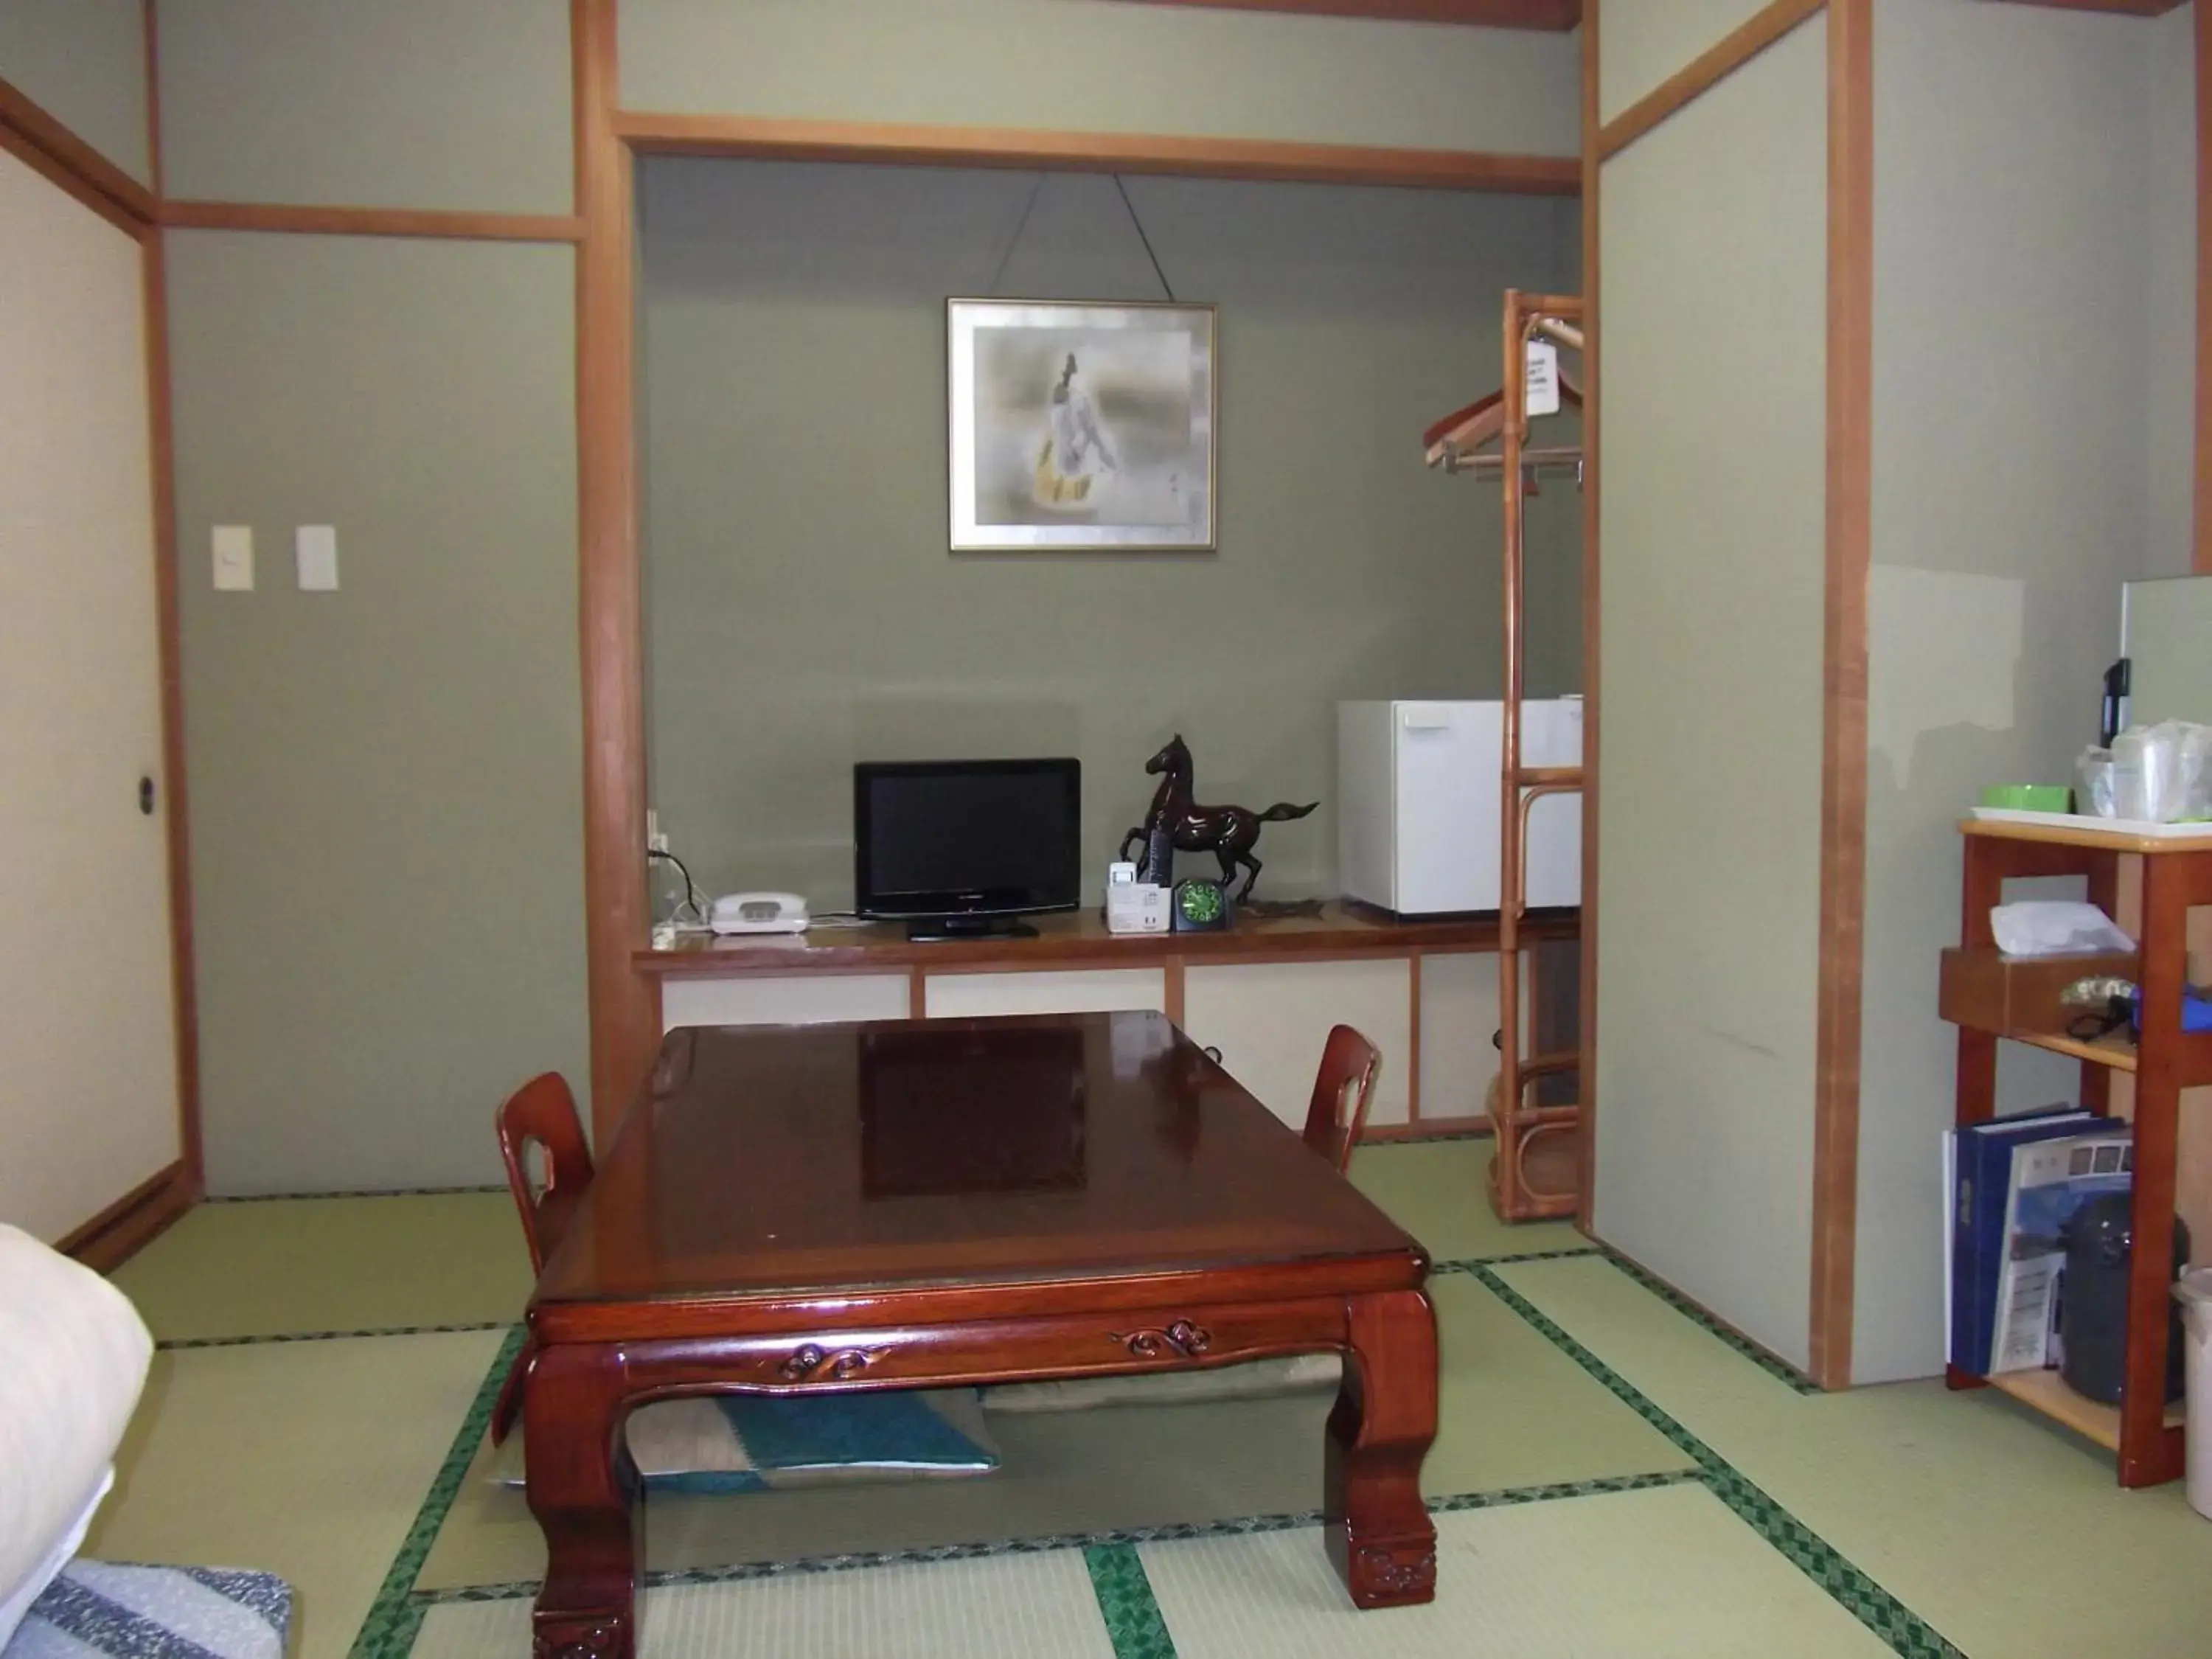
<point x="793" y="999"/>
<point x="1270" y="1020"/>
<point x="87" y="1027"/>
<point x="1071" y="991"/>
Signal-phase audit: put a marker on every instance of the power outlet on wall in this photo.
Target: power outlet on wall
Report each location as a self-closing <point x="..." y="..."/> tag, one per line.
<point x="233" y="548"/>
<point x="656" y="840"/>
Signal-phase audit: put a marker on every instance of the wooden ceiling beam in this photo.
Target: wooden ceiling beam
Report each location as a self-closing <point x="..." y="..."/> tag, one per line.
<point x="2121" y="7"/>
<point x="1557" y="14"/>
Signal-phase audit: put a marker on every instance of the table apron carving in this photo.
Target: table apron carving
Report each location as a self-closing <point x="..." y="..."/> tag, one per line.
<point x="809" y="1363"/>
<point x="976" y="1351"/>
<point x="1185" y="1339"/>
<point x="795" y="1323"/>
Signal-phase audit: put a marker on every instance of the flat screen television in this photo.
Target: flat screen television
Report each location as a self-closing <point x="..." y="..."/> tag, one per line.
<point x="956" y="848"/>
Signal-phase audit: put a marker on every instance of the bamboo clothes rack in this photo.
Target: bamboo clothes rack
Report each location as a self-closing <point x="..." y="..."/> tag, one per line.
<point x="1523" y="1186"/>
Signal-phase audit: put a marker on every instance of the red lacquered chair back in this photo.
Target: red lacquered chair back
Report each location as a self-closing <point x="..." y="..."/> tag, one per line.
<point x="1349" y="1065"/>
<point x="544" y="1112"/>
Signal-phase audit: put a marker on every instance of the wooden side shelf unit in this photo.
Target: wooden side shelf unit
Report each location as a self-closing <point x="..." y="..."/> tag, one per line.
<point x="1989" y="996"/>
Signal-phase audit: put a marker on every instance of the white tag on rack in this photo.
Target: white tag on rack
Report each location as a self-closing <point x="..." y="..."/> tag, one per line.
<point x="1543" y="378"/>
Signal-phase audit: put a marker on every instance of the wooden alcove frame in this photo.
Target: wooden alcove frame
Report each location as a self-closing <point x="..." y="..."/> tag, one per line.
<point x="624" y="1004"/>
<point x="607" y="139"/>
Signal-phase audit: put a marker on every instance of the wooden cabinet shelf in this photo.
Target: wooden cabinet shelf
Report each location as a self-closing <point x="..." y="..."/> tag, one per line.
<point x="2017" y="997"/>
<point x="2115" y="1052"/>
<point x="1990" y="996"/>
<point x="2093" y="1419"/>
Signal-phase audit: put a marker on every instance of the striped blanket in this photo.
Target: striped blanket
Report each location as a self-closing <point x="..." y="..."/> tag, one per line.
<point x="97" y="1608"/>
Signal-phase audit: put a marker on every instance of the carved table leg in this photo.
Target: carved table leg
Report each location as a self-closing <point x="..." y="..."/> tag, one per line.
<point x="585" y="1492"/>
<point x="1380" y="1534"/>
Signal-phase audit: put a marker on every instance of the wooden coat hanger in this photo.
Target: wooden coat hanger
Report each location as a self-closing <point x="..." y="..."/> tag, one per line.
<point x="1454" y="440"/>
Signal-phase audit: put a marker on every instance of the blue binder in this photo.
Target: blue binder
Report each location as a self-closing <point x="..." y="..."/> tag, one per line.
<point x="1978" y="1219"/>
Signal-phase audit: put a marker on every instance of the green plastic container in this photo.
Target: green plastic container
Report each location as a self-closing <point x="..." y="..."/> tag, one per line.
<point x="2030" y="796"/>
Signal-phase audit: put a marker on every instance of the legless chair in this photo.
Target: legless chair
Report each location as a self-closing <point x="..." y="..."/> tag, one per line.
<point x="1349" y="1065"/>
<point x="542" y="1112"/>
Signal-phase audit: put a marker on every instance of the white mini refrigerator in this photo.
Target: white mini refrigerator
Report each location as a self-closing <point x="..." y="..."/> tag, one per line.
<point x="1417" y="805"/>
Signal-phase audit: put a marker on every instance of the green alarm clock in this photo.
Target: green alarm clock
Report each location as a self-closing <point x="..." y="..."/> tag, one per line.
<point x="1200" y="906"/>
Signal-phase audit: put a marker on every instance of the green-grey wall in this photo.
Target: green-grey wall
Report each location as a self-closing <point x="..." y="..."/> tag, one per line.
<point x="2169" y="264"/>
<point x="384" y="795"/>
<point x="1713" y="411"/>
<point x="1106" y="65"/>
<point x="1642" y="42"/>
<point x="2028" y="459"/>
<point x="804" y="612"/>
<point x="461" y="104"/>
<point x="384" y="788"/>
<point x="84" y="63"/>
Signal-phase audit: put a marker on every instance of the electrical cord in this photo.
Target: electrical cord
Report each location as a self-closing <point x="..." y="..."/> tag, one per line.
<point x="690" y="900"/>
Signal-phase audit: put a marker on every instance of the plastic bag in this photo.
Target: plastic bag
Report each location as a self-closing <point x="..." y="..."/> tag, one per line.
<point x="2160" y="773"/>
<point x="2194" y="765"/>
<point x="2055" y="928"/>
<point x="2093" y="794"/>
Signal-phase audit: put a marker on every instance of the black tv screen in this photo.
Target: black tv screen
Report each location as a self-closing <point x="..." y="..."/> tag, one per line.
<point x="953" y="838"/>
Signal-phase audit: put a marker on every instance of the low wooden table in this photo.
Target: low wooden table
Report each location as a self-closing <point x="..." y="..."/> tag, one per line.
<point x="907" y="1203"/>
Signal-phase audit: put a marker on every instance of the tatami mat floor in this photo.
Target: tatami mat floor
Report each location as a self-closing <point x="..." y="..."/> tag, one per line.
<point x="280" y="1266"/>
<point x="1611" y="1477"/>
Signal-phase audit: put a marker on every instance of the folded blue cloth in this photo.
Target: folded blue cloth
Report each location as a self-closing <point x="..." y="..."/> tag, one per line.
<point x="781" y="1440"/>
<point x="745" y="1442"/>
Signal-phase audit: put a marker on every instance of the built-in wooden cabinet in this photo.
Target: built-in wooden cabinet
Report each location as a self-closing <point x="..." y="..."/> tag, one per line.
<point x="1263" y="996"/>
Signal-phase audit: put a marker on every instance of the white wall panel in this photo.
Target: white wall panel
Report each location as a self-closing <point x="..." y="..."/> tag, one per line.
<point x="88" y="1040"/>
<point x="1714" y="485"/>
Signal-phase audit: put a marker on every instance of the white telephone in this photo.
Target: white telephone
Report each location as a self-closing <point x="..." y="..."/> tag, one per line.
<point x="759" y="913"/>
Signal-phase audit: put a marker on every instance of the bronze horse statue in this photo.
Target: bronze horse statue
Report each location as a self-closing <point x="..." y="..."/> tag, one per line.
<point x="1229" y="832"/>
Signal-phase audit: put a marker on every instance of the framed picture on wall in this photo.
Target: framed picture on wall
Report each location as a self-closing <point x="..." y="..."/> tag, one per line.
<point x="1081" y="427"/>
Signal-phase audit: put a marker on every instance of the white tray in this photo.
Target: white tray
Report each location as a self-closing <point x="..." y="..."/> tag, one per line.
<point x="2081" y="823"/>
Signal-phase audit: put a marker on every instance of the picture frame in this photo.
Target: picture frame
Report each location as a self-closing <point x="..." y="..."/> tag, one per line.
<point x="1081" y="426"/>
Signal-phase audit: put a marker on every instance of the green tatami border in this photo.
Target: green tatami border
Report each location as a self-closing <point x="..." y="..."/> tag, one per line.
<point x="348" y="1192"/>
<point x="396" y="1616"/>
<point x="1134" y="1623"/>
<point x="1168" y="1533"/>
<point x="181" y="1343"/>
<point x="1781" y="1370"/>
<point x="1132" y="1613"/>
<point x="1906" y="1632"/>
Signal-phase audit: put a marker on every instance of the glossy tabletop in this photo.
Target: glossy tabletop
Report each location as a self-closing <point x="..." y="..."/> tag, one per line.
<point x="899" y="1155"/>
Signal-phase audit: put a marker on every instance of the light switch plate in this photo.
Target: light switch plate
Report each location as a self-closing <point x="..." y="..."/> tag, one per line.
<point x="234" y="558"/>
<point x="316" y="546"/>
